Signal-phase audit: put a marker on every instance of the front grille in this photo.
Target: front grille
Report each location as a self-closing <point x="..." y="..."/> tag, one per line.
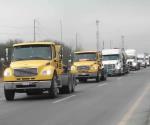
<point x="83" y="68"/>
<point x="25" y="86"/>
<point x="26" y="72"/>
<point x="110" y="66"/>
<point x="130" y="63"/>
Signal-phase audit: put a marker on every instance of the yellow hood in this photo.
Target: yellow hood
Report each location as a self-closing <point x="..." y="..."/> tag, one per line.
<point x="29" y="63"/>
<point x="84" y="63"/>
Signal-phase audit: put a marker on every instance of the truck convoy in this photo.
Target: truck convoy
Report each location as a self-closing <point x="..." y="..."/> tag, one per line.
<point x="114" y="60"/>
<point x="88" y="65"/>
<point x="37" y="67"/>
<point x="142" y="60"/>
<point x="132" y="60"/>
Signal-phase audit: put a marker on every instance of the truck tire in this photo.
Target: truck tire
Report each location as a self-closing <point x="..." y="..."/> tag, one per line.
<point x="73" y="83"/>
<point x="53" y="91"/>
<point x="9" y="94"/>
<point x="70" y="87"/>
<point x="82" y="80"/>
<point x="98" y="77"/>
<point x="103" y="75"/>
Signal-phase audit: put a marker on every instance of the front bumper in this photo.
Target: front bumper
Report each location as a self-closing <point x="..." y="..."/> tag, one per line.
<point x="27" y="85"/>
<point x="113" y="71"/>
<point x="85" y="75"/>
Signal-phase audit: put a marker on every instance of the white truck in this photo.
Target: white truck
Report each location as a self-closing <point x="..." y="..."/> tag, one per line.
<point x="132" y="59"/>
<point x="114" y="60"/>
<point x="148" y="60"/>
<point x="142" y="60"/>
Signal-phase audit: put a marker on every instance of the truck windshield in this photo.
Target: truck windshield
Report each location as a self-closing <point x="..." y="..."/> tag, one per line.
<point x="32" y="52"/>
<point x="131" y="57"/>
<point x="110" y="57"/>
<point x="140" y="58"/>
<point x="85" y="57"/>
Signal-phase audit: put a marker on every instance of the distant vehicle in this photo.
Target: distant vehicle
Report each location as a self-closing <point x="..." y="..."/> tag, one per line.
<point x="88" y="65"/>
<point x="148" y="60"/>
<point x="142" y="60"/>
<point x="114" y="60"/>
<point x="132" y="59"/>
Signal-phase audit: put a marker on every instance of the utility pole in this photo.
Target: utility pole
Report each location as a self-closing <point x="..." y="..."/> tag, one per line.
<point x="76" y="41"/>
<point x="97" y="34"/>
<point x="103" y="44"/>
<point x="34" y="34"/>
<point x="61" y="31"/>
<point x="122" y="38"/>
<point x="110" y="45"/>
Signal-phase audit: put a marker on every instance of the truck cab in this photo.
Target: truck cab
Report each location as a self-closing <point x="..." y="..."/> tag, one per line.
<point x="132" y="59"/>
<point x="36" y="67"/>
<point x="114" y="60"/>
<point x="88" y="65"/>
<point x="142" y="60"/>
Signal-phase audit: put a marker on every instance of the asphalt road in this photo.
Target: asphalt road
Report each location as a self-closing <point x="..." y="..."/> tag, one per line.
<point x="112" y="102"/>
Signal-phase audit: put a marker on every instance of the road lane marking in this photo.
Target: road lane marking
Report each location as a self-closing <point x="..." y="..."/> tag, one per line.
<point x="64" y="99"/>
<point x="119" y="78"/>
<point x="100" y="85"/>
<point x="131" y="111"/>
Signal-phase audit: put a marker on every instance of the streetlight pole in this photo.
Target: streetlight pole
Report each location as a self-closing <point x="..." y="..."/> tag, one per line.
<point x="76" y="41"/>
<point x="122" y="38"/>
<point x="97" y="34"/>
<point x="61" y="31"/>
<point x="34" y="34"/>
<point x="103" y="44"/>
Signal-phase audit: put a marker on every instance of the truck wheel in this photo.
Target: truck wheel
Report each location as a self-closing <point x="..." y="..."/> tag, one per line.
<point x="73" y="83"/>
<point x="9" y="94"/>
<point x="53" y="91"/>
<point x="98" y="77"/>
<point x="81" y="80"/>
<point x="67" y="89"/>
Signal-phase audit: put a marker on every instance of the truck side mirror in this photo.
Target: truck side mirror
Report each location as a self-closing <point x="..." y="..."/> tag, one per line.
<point x="2" y="60"/>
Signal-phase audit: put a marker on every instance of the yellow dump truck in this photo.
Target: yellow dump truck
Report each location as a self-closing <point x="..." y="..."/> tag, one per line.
<point x="88" y="65"/>
<point x="37" y="67"/>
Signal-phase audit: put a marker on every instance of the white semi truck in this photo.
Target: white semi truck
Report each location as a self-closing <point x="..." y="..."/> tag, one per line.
<point x="114" y="60"/>
<point x="142" y="60"/>
<point x="132" y="59"/>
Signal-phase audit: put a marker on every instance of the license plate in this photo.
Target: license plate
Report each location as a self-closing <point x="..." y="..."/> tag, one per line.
<point x="26" y="83"/>
<point x="83" y="74"/>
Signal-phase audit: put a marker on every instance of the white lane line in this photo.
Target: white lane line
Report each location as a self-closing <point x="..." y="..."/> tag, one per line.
<point x="2" y="99"/>
<point x="119" y="78"/>
<point x="100" y="85"/>
<point x="131" y="111"/>
<point x="64" y="99"/>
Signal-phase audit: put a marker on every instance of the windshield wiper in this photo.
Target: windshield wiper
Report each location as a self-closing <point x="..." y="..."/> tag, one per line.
<point x="39" y="58"/>
<point x="19" y="59"/>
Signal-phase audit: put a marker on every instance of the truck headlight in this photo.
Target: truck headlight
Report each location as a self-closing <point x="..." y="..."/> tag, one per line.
<point x="46" y="72"/>
<point x="7" y="73"/>
<point x="134" y="64"/>
<point x="94" y="68"/>
<point x="118" y="66"/>
<point x="73" y="68"/>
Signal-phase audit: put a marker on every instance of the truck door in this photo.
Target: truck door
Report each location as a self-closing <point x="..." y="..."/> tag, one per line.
<point x="59" y="59"/>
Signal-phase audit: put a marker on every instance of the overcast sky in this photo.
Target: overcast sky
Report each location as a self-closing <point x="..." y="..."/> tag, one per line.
<point x="130" y="18"/>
